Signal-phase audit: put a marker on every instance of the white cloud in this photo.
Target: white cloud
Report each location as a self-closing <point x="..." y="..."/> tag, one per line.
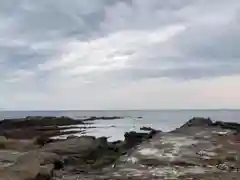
<point x="114" y="52"/>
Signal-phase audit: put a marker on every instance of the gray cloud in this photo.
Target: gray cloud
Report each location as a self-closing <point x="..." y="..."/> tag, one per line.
<point x="44" y="44"/>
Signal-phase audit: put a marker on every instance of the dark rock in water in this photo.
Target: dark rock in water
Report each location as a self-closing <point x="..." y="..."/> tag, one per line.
<point x="112" y="126"/>
<point x="29" y="133"/>
<point x="228" y="125"/>
<point x="92" y="118"/>
<point x="37" y="127"/>
<point x="147" y="129"/>
<point x="198" y="121"/>
<point x="37" y="121"/>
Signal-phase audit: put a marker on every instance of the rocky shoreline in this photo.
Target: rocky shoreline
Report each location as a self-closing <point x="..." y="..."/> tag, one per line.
<point x="200" y="149"/>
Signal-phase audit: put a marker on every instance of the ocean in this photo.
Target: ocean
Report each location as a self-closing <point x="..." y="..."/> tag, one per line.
<point x="165" y="120"/>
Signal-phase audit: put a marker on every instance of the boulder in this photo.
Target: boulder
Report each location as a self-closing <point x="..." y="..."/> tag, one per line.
<point x="26" y="168"/>
<point x="34" y="165"/>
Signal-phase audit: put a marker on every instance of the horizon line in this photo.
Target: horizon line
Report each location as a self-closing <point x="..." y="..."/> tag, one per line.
<point x="175" y="109"/>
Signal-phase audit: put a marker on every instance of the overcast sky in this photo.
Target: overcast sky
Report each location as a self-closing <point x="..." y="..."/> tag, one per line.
<point x="119" y="54"/>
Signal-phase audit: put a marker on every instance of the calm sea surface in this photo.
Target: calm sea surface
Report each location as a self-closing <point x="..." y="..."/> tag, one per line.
<point x="164" y="120"/>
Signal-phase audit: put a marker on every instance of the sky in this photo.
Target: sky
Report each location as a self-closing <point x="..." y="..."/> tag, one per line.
<point x="119" y="54"/>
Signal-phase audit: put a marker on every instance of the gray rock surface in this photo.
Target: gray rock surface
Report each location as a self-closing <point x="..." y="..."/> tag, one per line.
<point x="199" y="150"/>
<point x="78" y="146"/>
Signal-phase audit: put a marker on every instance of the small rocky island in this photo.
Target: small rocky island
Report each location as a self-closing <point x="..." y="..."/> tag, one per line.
<point x="199" y="150"/>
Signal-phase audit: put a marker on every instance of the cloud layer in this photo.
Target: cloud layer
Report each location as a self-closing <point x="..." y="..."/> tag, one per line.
<point x="119" y="54"/>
